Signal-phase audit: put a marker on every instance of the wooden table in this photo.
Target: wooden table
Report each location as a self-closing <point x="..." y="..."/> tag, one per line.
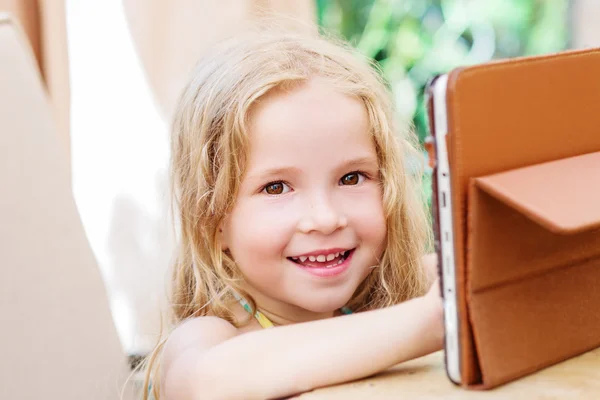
<point x="425" y="378"/>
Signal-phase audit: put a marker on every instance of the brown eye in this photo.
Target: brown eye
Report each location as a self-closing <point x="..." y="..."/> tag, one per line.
<point x="352" y="178"/>
<point x="275" y="188"/>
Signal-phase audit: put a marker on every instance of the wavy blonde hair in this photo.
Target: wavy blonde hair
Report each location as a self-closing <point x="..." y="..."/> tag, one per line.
<point x="209" y="143"/>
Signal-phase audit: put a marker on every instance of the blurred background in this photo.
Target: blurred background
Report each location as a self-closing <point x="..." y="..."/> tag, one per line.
<point x="114" y="68"/>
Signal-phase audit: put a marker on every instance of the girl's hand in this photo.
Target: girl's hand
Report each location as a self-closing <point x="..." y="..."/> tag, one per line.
<point x="435" y="304"/>
<point x="435" y="290"/>
<point x="430" y="262"/>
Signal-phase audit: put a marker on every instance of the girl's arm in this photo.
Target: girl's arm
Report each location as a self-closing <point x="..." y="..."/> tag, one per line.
<point x="290" y="359"/>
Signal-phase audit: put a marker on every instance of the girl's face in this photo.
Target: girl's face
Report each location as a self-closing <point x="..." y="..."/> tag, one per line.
<point x="308" y="225"/>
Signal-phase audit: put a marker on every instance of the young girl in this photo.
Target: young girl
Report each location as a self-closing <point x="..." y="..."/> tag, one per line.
<point x="295" y="208"/>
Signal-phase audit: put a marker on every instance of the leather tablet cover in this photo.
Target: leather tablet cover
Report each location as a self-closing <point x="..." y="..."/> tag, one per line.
<point x="524" y="154"/>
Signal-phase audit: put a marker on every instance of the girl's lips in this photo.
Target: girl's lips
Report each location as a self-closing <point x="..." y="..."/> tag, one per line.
<point x="323" y="271"/>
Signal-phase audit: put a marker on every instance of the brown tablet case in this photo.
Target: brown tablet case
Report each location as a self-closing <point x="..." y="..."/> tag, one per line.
<point x="524" y="154"/>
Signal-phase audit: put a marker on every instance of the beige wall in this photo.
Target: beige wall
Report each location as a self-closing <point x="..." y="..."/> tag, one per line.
<point x="58" y="337"/>
<point x="585" y="23"/>
<point x="44" y="24"/>
<point x="26" y="12"/>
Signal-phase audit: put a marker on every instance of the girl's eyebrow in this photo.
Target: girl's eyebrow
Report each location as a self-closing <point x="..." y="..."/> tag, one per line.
<point x="277" y="172"/>
<point x="366" y="161"/>
<point x="272" y="173"/>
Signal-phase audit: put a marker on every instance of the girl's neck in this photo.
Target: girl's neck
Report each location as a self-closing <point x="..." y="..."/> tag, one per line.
<point x="280" y="313"/>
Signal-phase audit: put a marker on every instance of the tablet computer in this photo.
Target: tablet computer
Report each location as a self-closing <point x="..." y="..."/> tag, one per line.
<point x="442" y="215"/>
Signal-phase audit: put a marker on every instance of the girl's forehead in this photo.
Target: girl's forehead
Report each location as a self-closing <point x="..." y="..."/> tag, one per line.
<point x="313" y="110"/>
<point x="312" y="121"/>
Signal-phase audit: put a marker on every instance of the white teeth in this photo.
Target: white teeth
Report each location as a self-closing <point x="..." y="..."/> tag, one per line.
<point x="329" y="266"/>
<point x="323" y="257"/>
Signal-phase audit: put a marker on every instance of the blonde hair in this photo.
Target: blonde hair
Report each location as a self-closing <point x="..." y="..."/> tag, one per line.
<point x="209" y="142"/>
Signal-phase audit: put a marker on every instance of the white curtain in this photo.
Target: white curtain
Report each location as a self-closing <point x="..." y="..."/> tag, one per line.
<point x="119" y="158"/>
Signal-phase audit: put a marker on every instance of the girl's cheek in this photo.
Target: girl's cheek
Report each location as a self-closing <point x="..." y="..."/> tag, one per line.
<point x="365" y="215"/>
<point x="261" y="232"/>
<point x="364" y="203"/>
<point x="263" y="225"/>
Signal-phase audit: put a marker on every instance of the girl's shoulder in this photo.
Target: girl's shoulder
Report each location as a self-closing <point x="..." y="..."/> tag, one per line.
<point x="186" y="344"/>
<point x="193" y="337"/>
<point x="198" y="333"/>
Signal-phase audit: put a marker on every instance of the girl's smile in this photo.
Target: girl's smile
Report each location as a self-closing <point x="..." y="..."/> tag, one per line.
<point x="324" y="263"/>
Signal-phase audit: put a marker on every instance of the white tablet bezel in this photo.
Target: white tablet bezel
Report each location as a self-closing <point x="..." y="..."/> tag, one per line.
<point x="446" y="237"/>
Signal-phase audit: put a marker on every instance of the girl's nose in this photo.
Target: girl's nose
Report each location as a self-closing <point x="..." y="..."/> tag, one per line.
<point x="322" y="216"/>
